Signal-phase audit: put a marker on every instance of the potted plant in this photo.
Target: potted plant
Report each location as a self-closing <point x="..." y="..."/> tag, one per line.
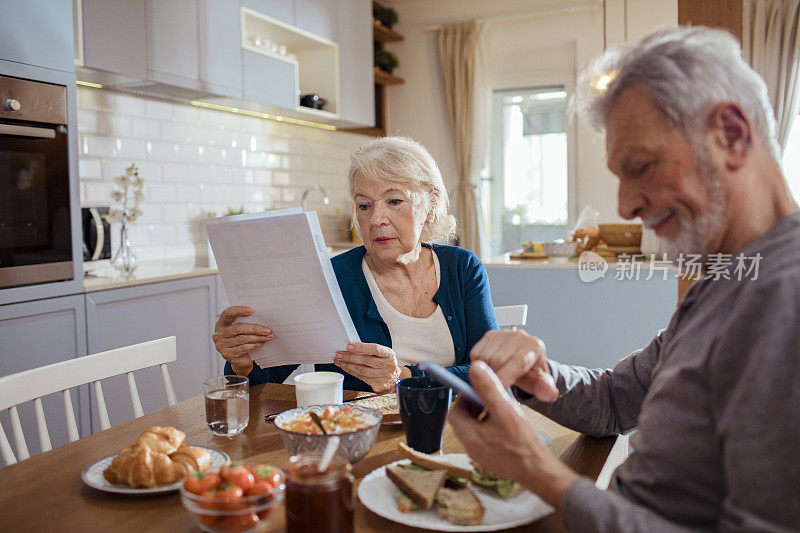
<point x="385" y="15"/>
<point x="386" y="61"/>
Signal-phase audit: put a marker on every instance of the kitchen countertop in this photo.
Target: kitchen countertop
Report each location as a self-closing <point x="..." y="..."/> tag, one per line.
<point x="105" y="277"/>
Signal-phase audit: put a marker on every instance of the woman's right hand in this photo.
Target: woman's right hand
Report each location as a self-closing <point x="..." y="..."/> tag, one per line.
<point x="235" y="341"/>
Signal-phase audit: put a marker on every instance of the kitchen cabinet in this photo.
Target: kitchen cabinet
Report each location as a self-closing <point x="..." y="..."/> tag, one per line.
<point x="282" y="10"/>
<point x="119" y="317"/>
<point x="269" y="80"/>
<point x="111" y="36"/>
<point x="37" y="32"/>
<point x="589" y="324"/>
<point x="357" y="102"/>
<point x="39" y="333"/>
<point x="219" y="33"/>
<point x="172" y="42"/>
<point x="318" y="16"/>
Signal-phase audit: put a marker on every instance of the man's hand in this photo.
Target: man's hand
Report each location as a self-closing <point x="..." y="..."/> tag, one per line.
<point x="505" y="444"/>
<point x="517" y="358"/>
<point x="235" y="341"/>
<point x="374" y="364"/>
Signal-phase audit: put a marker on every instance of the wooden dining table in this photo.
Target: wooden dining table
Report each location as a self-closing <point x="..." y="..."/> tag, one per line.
<point x="46" y="493"/>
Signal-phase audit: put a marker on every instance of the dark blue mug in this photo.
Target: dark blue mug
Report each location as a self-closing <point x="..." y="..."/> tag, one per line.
<point x="423" y="404"/>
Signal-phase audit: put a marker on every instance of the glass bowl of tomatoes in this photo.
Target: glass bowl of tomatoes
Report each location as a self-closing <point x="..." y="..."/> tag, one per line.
<point x="237" y="498"/>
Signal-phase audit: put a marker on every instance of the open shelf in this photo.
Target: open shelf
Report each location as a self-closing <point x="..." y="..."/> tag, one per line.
<point x="382" y="34"/>
<point x="384" y="78"/>
<point x="315" y="59"/>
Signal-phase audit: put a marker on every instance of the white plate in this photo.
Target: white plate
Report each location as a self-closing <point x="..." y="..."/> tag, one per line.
<point x="378" y="494"/>
<point x="92" y="475"/>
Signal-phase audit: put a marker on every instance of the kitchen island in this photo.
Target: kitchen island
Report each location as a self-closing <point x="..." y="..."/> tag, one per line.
<point x="593" y="323"/>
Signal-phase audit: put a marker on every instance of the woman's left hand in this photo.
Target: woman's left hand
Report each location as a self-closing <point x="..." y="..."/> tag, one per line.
<point x="374" y="364"/>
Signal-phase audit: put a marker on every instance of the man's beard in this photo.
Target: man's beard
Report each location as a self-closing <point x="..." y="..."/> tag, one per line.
<point x="695" y="237"/>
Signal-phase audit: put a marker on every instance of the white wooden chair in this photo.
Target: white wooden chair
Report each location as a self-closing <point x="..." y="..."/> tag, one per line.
<point x="38" y="382"/>
<point x="511" y="316"/>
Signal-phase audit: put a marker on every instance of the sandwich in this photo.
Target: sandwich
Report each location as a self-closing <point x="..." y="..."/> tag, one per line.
<point x="459" y="506"/>
<point x="418" y="486"/>
<point x="431" y="462"/>
<point x="504" y="488"/>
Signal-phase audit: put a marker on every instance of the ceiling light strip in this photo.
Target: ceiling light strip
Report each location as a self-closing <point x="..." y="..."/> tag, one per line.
<point x="267" y="116"/>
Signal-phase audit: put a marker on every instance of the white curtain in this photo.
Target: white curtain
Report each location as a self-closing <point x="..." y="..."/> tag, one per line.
<point x="771" y="45"/>
<point x="457" y="53"/>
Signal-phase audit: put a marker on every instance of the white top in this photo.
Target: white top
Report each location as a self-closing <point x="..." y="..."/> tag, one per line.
<point x="414" y="340"/>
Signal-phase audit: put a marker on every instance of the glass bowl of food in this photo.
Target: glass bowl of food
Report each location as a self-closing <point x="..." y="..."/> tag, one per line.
<point x="356" y="426"/>
<point x="236" y="498"/>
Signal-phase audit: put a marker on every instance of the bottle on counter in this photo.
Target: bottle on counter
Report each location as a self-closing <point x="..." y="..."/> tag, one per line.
<point x="319" y="502"/>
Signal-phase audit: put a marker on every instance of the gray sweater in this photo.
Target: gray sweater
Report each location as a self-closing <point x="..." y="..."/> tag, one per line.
<point x="715" y="399"/>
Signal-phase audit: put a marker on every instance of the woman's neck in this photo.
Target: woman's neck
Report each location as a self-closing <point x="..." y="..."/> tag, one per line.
<point x="408" y="265"/>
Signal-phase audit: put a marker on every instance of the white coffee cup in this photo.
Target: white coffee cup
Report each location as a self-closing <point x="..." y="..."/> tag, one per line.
<point x="315" y="388"/>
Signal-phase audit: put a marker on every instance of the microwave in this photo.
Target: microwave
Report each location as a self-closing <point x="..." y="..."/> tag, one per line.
<point x="96" y="234"/>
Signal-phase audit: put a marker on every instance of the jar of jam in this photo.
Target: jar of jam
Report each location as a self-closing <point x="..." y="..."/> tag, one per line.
<point x="321" y="502"/>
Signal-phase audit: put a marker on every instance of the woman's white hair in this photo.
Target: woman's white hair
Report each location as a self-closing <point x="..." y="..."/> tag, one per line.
<point x="686" y="71"/>
<point x="405" y="161"/>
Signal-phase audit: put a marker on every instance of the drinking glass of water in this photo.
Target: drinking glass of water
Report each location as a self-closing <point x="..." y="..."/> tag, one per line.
<point x="227" y="404"/>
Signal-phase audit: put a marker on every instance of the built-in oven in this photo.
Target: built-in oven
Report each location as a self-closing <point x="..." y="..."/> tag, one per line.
<point x="35" y="230"/>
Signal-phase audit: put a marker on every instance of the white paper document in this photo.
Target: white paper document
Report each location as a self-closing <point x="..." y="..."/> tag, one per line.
<point x="277" y="263"/>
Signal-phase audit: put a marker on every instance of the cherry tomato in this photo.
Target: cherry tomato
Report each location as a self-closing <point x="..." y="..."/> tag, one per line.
<point x="239" y="522"/>
<point x="200" y="482"/>
<point x="261" y="487"/>
<point x="267" y="473"/>
<point x="229" y="498"/>
<point x="237" y="474"/>
<point x="209" y="501"/>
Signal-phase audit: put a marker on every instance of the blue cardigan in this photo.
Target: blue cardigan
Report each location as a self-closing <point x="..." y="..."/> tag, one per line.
<point x="463" y="296"/>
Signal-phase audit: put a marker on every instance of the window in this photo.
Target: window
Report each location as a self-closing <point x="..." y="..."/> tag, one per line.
<point x="526" y="195"/>
<point x="791" y="159"/>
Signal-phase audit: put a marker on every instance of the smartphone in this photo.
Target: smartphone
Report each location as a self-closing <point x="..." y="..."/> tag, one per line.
<point x="475" y="405"/>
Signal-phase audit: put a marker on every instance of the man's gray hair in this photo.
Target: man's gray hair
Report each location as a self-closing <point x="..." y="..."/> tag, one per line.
<point x="686" y="71"/>
<point x="405" y="161"/>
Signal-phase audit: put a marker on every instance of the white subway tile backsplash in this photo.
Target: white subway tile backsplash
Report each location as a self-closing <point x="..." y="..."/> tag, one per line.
<point x="173" y="131"/>
<point x="143" y="128"/>
<point x="160" y="151"/>
<point x="160" y="193"/>
<point x="99" y="146"/>
<point x="195" y="160"/>
<point x="158" y="109"/>
<point x="89" y="168"/>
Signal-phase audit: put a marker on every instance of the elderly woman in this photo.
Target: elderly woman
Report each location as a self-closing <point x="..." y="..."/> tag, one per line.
<point x="410" y="301"/>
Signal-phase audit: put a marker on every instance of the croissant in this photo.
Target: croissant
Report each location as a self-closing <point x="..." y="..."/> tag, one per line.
<point x="139" y="466"/>
<point x="162" y="439"/>
<point x="192" y="458"/>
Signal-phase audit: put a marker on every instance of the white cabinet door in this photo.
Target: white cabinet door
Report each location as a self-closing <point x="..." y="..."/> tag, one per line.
<point x="317" y="17"/>
<point x="39" y="333"/>
<point x="354" y="35"/>
<point x="220" y="47"/>
<point x="172" y="41"/>
<point x="282" y="10"/>
<point x="37" y="32"/>
<point x="121" y="317"/>
<point x="114" y="36"/>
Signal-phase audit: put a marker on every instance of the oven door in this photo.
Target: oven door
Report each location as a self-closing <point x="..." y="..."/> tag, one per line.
<point x="35" y="232"/>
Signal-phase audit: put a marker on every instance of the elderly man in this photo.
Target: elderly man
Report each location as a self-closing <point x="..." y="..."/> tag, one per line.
<point x="716" y="395"/>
